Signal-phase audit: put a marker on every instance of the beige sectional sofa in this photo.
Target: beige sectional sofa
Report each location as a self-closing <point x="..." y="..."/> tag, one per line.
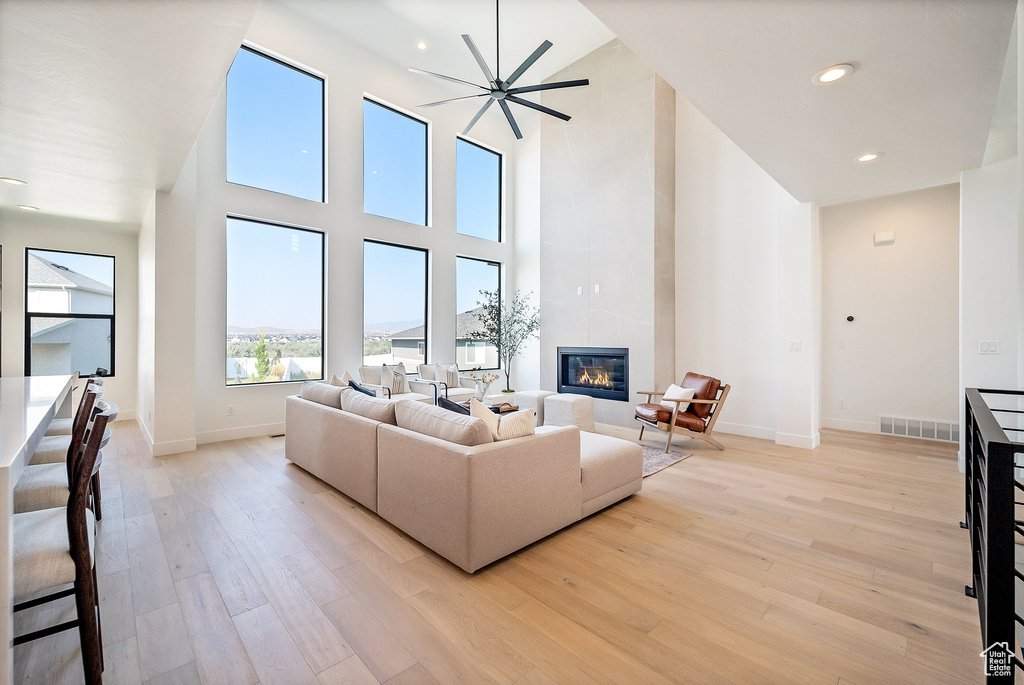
<point x="440" y="477"/>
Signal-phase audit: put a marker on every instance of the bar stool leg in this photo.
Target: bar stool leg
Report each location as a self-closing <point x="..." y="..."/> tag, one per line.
<point x="85" y="603"/>
<point x="96" y="496"/>
<point x="99" y="623"/>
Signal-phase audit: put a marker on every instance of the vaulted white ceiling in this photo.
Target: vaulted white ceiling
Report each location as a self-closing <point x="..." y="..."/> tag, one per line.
<point x="101" y="101"/>
<point x="394" y="27"/>
<point x="924" y="89"/>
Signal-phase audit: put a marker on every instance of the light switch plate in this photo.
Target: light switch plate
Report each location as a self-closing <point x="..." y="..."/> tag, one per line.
<point x="597" y="288"/>
<point x="988" y="347"/>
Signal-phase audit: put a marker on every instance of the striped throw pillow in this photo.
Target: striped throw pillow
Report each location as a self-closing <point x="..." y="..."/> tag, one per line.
<point x="517" y="424"/>
<point x="394" y="377"/>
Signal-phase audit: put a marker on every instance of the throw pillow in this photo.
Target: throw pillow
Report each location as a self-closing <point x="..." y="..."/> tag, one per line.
<point x="452" y="375"/>
<point x="675" y="392"/>
<point x="394" y="377"/>
<point x="343" y="381"/>
<point x="439" y="372"/>
<point x="446" y="403"/>
<point x="362" y="389"/>
<point x="321" y="393"/>
<point x="517" y="424"/>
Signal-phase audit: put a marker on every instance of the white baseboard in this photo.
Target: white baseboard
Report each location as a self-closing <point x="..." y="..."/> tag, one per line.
<point x="845" y="425"/>
<point x="145" y="434"/>
<point x="161" y="449"/>
<point x="241" y="432"/>
<point x="744" y="430"/>
<point x="807" y="442"/>
<point x="126" y="415"/>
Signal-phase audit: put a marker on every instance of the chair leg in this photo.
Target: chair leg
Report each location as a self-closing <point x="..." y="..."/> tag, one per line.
<point x="99" y="623"/>
<point x="712" y="441"/>
<point x="668" y="440"/>
<point x="96" y="496"/>
<point x="642" y="426"/>
<point x="85" y="603"/>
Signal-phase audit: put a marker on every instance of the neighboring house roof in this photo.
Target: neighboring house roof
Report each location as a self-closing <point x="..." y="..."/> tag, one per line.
<point x="45" y="324"/>
<point x="467" y="325"/>
<point x="43" y="273"/>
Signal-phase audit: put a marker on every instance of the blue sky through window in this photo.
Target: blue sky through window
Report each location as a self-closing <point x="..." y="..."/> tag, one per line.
<point x="394" y="164"/>
<point x="394" y="287"/>
<point x="274" y="276"/>
<point x="477" y="191"/>
<point x="472" y="276"/>
<point x="97" y="267"/>
<point x="275" y="127"/>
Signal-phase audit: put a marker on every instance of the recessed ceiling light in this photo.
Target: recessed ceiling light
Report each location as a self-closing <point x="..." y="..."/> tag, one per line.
<point x="13" y="181"/>
<point x="29" y="208"/>
<point x="833" y="73"/>
<point x="868" y="157"/>
<point x="421" y="45"/>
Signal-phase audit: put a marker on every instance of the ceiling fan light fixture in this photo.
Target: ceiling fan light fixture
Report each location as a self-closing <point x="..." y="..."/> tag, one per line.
<point x="833" y="73"/>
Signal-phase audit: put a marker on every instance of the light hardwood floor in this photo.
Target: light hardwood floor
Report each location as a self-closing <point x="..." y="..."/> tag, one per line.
<point x="753" y="565"/>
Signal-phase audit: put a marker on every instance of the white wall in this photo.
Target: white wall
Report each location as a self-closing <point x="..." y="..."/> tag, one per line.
<point x="147" y="322"/>
<point x="20" y="229"/>
<point x="731" y="319"/>
<point x="899" y="355"/>
<point x="989" y="272"/>
<point x="350" y="71"/>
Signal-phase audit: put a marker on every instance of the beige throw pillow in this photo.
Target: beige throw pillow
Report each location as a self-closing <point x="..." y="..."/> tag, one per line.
<point x="321" y="393"/>
<point x="394" y="377"/>
<point x="675" y="392"/>
<point x="368" y="407"/>
<point x="451" y="374"/>
<point x="442" y="424"/>
<point x="343" y="381"/>
<point x="517" y="424"/>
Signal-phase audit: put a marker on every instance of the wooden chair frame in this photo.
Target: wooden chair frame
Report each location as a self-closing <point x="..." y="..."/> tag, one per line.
<point x="671" y="428"/>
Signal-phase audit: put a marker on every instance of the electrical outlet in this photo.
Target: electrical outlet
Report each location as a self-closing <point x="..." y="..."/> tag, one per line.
<point x="793" y="345"/>
<point x="231" y="410"/>
<point x="842" y="404"/>
<point x="597" y="288"/>
<point x="579" y="290"/>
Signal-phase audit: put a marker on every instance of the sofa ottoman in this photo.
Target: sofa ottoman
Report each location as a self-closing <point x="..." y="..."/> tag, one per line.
<point x="611" y="470"/>
<point x="569" y="410"/>
<point x="533" y="399"/>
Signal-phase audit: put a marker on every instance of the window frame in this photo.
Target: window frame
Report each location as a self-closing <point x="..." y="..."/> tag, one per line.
<point x="426" y="298"/>
<point x="500" y="292"/>
<point x="112" y="317"/>
<point x="427" y="154"/>
<point x="501" y="187"/>
<point x="306" y="71"/>
<point x="323" y="295"/>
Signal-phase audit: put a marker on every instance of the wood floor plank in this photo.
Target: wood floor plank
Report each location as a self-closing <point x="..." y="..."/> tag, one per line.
<point x="121" y="662"/>
<point x="164" y="643"/>
<point x="376" y="647"/>
<point x="184" y="556"/>
<point x="237" y="585"/>
<point x="187" y="674"/>
<point x="351" y="671"/>
<point x="152" y="585"/>
<point x="273" y="653"/>
<point x="322" y="585"/>
<point x="117" y="606"/>
<point x="220" y="656"/>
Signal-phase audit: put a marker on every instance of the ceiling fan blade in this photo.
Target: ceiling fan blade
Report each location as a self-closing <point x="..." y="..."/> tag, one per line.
<point x="478" y="57"/>
<point x="464" y="97"/>
<point x="539" y="108"/>
<point x="447" y="78"/>
<point x="527" y="63"/>
<point x="549" y="86"/>
<point x="511" y="119"/>
<point x="472" y="122"/>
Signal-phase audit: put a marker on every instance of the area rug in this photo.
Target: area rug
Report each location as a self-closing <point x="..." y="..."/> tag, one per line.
<point x="655" y="459"/>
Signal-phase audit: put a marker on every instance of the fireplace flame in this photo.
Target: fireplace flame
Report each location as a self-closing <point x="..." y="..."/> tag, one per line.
<point x="601" y="379"/>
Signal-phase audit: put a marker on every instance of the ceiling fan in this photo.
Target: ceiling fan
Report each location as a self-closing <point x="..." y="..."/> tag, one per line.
<point x="502" y="91"/>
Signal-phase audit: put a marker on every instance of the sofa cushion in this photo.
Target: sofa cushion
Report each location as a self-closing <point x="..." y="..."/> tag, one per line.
<point x="655" y="413"/>
<point x="441" y="423"/>
<point x="608" y="463"/>
<point x="704" y="388"/>
<point x="517" y="424"/>
<point x="369" y="407"/>
<point x="321" y="393"/>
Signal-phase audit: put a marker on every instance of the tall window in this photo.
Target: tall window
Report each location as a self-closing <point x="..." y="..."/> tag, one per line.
<point x="275" y="308"/>
<point x="477" y="191"/>
<point x="473" y="276"/>
<point x="394" y="164"/>
<point x="275" y="126"/>
<point x="69" y="313"/>
<point x="394" y="305"/>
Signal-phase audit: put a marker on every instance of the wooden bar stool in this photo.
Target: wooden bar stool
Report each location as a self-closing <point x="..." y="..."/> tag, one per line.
<point x="55" y="547"/>
<point x="43" y="486"/>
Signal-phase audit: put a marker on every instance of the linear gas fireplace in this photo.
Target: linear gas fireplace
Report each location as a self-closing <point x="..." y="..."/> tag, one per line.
<point x="596" y="371"/>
